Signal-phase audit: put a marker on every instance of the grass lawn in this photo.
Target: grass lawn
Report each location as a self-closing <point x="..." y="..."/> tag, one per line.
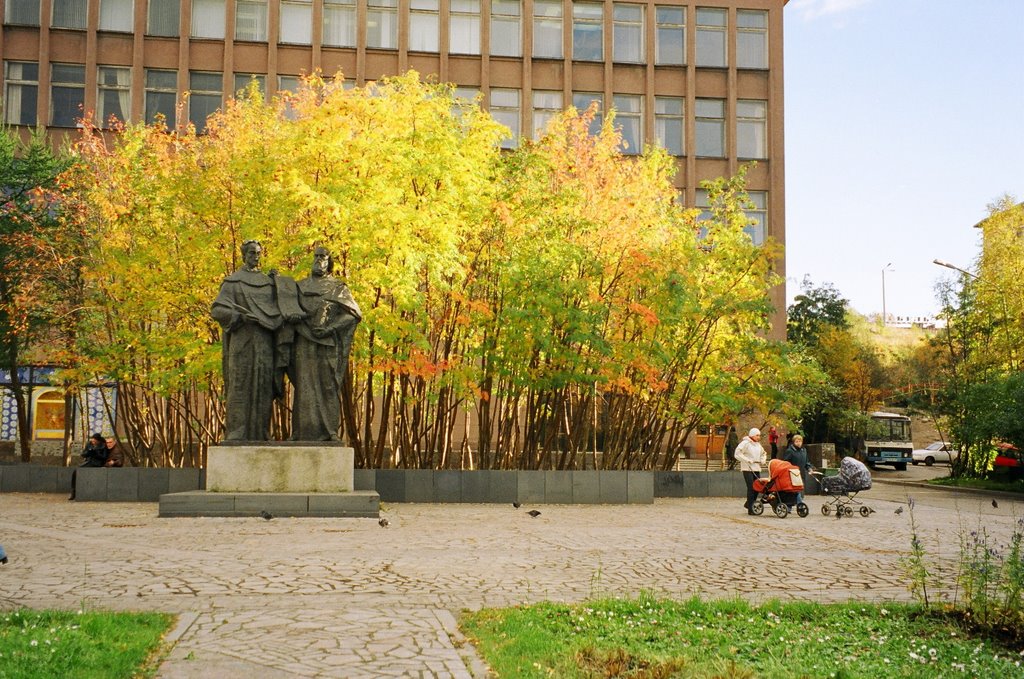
<point x="82" y="645"/>
<point x="984" y="484"/>
<point x="654" y="639"/>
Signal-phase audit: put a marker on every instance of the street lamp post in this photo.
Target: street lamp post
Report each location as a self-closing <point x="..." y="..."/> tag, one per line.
<point x="885" y="318"/>
<point x="954" y="267"/>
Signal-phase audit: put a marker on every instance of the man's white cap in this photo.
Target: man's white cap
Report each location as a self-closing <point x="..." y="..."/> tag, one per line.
<point x="754" y="432"/>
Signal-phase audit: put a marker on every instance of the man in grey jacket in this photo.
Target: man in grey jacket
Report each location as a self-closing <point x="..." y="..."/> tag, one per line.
<point x="751" y="456"/>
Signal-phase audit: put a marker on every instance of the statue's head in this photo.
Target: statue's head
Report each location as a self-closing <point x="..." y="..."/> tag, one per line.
<point x="323" y="264"/>
<point x="251" y="251"/>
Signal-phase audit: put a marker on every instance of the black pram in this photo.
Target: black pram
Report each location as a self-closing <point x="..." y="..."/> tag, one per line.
<point x="853" y="477"/>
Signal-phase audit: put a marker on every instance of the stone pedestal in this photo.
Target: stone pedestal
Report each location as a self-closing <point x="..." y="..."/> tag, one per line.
<point x="301" y="468"/>
<point x="277" y="480"/>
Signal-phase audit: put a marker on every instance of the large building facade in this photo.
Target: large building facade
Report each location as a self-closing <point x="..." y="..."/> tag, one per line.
<point x="702" y="78"/>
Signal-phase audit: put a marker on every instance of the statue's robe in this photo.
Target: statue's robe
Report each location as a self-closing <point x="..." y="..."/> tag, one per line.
<point x="248" y="353"/>
<point x="319" y="356"/>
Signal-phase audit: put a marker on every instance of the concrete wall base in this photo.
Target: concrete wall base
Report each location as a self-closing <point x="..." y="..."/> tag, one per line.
<point x="360" y="504"/>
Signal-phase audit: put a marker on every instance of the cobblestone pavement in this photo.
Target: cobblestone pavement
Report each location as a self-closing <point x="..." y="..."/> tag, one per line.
<point x="347" y="598"/>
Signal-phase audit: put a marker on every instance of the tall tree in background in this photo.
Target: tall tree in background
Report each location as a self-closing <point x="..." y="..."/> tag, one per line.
<point x="982" y="342"/>
<point x="31" y="256"/>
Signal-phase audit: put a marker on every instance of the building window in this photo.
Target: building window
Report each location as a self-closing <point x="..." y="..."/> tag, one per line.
<point x="208" y="19"/>
<point x="204" y="97"/>
<point x="21" y="92"/>
<point x="463" y="98"/>
<point x="297" y="22"/>
<point x="581" y="101"/>
<point x="711" y="33"/>
<point x="164" y="19"/>
<point x="24" y="12"/>
<point x="670" y="37"/>
<point x="628" y="33"/>
<point x="243" y="80"/>
<point x="424" y="25"/>
<point x="70" y="14"/>
<point x="710" y="114"/>
<point x="464" y="27"/>
<point x="117" y="15"/>
<point x="704" y="205"/>
<point x="382" y="24"/>
<point x="546" y="105"/>
<point x="587" y="31"/>
<point x="751" y="38"/>
<point x="757" y="229"/>
<point x="49" y="415"/>
<point x="114" y="102"/>
<point x="251" y="20"/>
<point x="67" y="94"/>
<point x="340" y="23"/>
<point x="629" y="119"/>
<point x="161" y="93"/>
<point x="547" y="29"/>
<point x="669" y="124"/>
<point x="505" y="110"/>
<point x="751" y="128"/>
<point x="506" y="27"/>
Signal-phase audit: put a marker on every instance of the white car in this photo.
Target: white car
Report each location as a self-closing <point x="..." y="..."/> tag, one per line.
<point x="936" y="452"/>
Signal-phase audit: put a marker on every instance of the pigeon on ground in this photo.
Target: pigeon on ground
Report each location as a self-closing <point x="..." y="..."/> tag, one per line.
<point x="839" y="514"/>
<point x="534" y="513"/>
<point x="517" y="505"/>
<point x="265" y="515"/>
<point x="384" y="523"/>
<point x="899" y="510"/>
<point x="995" y="504"/>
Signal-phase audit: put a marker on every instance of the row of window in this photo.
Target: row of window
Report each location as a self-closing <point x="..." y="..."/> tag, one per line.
<point x="67" y="99"/>
<point x="464" y="27"/>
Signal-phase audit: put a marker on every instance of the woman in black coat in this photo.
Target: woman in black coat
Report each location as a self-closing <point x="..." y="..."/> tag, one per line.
<point x="95" y="455"/>
<point x="796" y="454"/>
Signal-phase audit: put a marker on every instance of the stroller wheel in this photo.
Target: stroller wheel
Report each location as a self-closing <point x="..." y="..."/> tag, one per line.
<point x="757" y="508"/>
<point x="781" y="510"/>
<point x="849" y="511"/>
<point x="865" y="511"/>
<point x="802" y="510"/>
<point x="826" y="510"/>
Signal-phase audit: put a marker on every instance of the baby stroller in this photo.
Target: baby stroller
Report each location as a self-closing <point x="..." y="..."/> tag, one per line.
<point x="853" y="478"/>
<point x="779" y="489"/>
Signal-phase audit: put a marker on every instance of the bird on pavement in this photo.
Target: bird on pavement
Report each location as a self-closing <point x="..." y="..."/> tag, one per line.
<point x="995" y="504"/>
<point x="265" y="515"/>
<point x="839" y="514"/>
<point x="899" y="510"/>
<point x="384" y="523"/>
<point x="517" y="505"/>
<point x="534" y="513"/>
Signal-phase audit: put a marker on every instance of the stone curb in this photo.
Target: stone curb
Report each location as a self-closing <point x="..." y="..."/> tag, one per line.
<point x="983" y="492"/>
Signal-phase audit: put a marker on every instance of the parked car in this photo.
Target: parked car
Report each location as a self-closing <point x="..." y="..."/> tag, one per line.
<point x="936" y="452"/>
<point x="1008" y="463"/>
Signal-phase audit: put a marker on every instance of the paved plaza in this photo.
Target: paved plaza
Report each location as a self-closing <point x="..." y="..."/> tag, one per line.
<point x="348" y="598"/>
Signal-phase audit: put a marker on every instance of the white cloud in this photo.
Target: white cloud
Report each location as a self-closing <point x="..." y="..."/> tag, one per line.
<point x="812" y="9"/>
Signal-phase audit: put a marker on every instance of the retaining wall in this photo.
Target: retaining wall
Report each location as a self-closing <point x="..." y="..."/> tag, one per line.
<point x="147" y="484"/>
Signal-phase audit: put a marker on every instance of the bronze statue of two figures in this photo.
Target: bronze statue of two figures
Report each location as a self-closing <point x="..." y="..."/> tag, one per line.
<point x="275" y="326"/>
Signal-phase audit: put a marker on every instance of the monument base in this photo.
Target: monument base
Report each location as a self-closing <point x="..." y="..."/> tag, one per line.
<point x="291" y="468"/>
<point x="357" y="504"/>
<point x="288" y="479"/>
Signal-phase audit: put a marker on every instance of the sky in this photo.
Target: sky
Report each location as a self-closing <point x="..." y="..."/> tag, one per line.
<point x="904" y="119"/>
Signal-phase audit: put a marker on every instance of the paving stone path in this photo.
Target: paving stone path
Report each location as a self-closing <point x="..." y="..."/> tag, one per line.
<point x="347" y="598"/>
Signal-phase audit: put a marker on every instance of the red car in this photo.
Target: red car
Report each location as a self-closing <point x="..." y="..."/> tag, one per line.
<point x="1009" y="461"/>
